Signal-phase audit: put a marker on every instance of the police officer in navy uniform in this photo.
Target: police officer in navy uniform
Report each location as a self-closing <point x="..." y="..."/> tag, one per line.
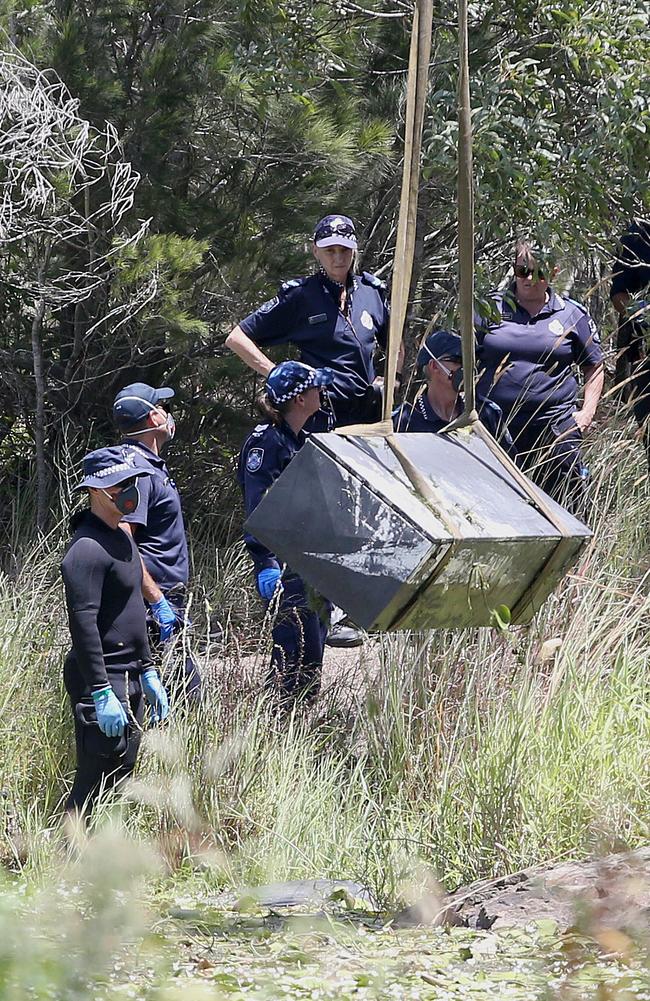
<point x="631" y="277"/>
<point x="528" y="353"/>
<point x="108" y="672"/>
<point x="157" y="524"/>
<point x="336" y="318"/>
<point x="440" y="358"/>
<point x="291" y="398"/>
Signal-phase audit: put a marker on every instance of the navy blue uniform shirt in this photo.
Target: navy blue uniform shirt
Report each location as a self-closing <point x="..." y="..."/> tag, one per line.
<point x="102" y="575"/>
<point x="306" y="313"/>
<point x="420" y="416"/>
<point x="266" y="452"/>
<point x="158" y="519"/>
<point x="528" y="361"/>
<point x="632" y="268"/>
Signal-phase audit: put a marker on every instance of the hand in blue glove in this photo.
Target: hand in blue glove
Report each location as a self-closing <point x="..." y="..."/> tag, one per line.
<point x="155" y="695"/>
<point x="165" y="616"/>
<point x="267" y="581"/>
<point x="110" y="712"/>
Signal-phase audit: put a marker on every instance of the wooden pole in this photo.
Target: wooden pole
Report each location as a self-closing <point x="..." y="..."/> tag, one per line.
<point x="418" y="80"/>
<point x="465" y="199"/>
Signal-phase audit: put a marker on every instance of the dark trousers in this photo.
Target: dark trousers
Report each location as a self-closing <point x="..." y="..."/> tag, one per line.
<point x="549" y="447"/>
<point x="299" y="633"/>
<point x="98" y="765"/>
<point x="179" y="673"/>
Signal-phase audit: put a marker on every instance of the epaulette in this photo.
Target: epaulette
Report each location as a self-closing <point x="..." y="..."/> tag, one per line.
<point x="369" y="279"/>
<point x="571" y="302"/>
<point x="259" y="429"/>
<point x="292" y="283"/>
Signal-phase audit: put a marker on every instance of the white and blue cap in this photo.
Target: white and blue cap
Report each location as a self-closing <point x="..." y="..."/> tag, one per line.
<point x="291" y="378"/>
<point x="106" y="467"/>
<point x="134" y="402"/>
<point x="336" y="231"/>
<point x="440" y="344"/>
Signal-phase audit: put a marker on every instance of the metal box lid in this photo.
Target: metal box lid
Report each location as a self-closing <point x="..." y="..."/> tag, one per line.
<point x="345" y="516"/>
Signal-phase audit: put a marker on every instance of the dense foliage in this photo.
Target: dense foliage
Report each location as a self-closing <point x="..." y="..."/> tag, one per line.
<point x="246" y="122"/>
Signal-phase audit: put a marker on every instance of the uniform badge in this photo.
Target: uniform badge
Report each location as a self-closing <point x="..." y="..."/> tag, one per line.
<point x="367" y="321"/>
<point x="254" y="459"/>
<point x="266" y="307"/>
<point x="556" y="327"/>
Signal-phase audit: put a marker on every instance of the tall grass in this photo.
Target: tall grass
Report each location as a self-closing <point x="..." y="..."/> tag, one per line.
<point x="474" y="752"/>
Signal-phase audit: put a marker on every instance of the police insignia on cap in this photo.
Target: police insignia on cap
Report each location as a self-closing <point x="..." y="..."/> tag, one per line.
<point x="254" y="459"/>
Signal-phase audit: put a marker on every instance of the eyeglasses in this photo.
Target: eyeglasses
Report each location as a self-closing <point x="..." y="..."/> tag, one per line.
<point x="522" y="271"/>
<point x="338" y="229"/>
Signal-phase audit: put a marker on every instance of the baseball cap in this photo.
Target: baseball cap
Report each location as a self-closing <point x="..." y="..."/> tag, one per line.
<point x="335" y="230"/>
<point x="290" y="378"/>
<point x="134" y="402"/>
<point x="440" y="344"/>
<point x="106" y="467"/>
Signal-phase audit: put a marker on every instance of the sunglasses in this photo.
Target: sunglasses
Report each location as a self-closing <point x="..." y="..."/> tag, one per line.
<point x="340" y="229"/>
<point x="522" y="271"/>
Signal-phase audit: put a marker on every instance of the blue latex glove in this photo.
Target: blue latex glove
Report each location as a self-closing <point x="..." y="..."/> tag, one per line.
<point x="267" y="581"/>
<point x="155" y="695"/>
<point x="165" y="616"/>
<point x="110" y="712"/>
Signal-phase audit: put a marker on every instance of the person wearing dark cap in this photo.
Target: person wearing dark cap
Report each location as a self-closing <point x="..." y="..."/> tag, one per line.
<point x="157" y="523"/>
<point x="528" y="351"/>
<point x="440" y="358"/>
<point x="292" y="395"/>
<point x="108" y="672"/>
<point x="336" y="318"/>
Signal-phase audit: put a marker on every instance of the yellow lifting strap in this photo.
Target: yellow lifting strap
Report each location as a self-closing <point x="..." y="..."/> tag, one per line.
<point x="420" y="53"/>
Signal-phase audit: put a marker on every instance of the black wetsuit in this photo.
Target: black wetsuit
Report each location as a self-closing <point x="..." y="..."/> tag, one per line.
<point x="102" y="574"/>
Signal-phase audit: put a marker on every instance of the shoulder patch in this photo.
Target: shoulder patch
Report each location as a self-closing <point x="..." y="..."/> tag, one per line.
<point x="593" y="329"/>
<point x="254" y="459"/>
<point x="370" y="279"/>
<point x="266" y="307"/>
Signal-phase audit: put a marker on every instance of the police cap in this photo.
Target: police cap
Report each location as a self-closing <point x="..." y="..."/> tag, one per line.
<point x="440" y="344"/>
<point x="106" y="467"/>
<point x="134" y="402"/>
<point x="290" y="378"/>
<point x="336" y="230"/>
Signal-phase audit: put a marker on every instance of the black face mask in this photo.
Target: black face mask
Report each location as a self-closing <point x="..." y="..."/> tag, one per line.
<point x="127" y="500"/>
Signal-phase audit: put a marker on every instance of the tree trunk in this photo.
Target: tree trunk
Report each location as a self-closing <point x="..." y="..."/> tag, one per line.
<point x="39" y="418"/>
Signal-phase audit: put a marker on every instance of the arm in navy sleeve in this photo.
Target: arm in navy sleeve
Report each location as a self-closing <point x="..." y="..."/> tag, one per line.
<point x="141" y="514"/>
<point x="491" y="417"/>
<point x="255" y="486"/>
<point x="382" y="330"/>
<point x="274" y="321"/>
<point x="84" y="570"/>
<point x="585" y="342"/>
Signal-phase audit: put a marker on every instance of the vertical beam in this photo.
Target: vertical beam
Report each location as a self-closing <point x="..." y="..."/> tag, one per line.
<point x="418" y="79"/>
<point x="465" y="201"/>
